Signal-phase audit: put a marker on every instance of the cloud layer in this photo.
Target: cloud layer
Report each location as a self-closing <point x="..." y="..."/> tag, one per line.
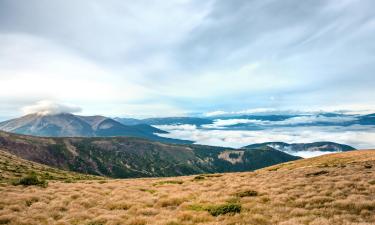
<point x="358" y="136"/>
<point x="132" y="58"/>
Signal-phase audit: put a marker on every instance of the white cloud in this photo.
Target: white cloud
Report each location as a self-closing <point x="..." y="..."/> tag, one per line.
<point x="229" y="122"/>
<point x="313" y="119"/>
<point x="309" y="154"/>
<point x="222" y="123"/>
<point x="357" y="136"/>
<point x="246" y="111"/>
<point x="299" y="110"/>
<point x="298" y="120"/>
<point x="46" y="107"/>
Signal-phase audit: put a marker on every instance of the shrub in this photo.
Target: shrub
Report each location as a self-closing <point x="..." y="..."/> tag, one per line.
<point x="31" y="179"/>
<point x="171" y="202"/>
<point x="230" y="208"/>
<point x="169" y="182"/>
<point x="148" y="190"/>
<point x="247" y="193"/>
<point x="199" y="177"/>
<point x="213" y="175"/>
<point x="318" y="173"/>
<point x="216" y="210"/>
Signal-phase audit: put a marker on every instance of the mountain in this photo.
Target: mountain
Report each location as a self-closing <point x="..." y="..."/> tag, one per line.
<point x="334" y="189"/>
<point x="166" y="121"/>
<point x="303" y="149"/>
<point x="367" y="119"/>
<point x="69" y="125"/>
<point x="133" y="157"/>
<point x="128" y="121"/>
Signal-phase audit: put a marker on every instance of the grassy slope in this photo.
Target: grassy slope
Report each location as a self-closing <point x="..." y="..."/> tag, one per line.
<point x="331" y="189"/>
<point x="13" y="168"/>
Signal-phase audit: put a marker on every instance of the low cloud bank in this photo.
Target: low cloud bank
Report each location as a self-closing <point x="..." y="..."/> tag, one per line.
<point x="361" y="137"/>
<point x="50" y="108"/>
<point x="298" y="120"/>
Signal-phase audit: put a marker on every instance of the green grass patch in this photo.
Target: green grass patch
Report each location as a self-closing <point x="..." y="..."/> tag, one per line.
<point x="196" y="207"/>
<point x="217" y="210"/>
<point x="31" y="179"/>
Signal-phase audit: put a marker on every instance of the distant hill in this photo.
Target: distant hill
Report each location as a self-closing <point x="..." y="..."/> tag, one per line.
<point x="166" y="121"/>
<point x="297" y="148"/>
<point x="69" y="125"/>
<point x="367" y="119"/>
<point x="133" y="157"/>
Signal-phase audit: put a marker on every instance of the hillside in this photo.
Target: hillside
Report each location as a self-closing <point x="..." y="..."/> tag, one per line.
<point x="304" y="150"/>
<point x="13" y="168"/>
<point x="69" y="125"/>
<point x="124" y="157"/>
<point x="332" y="189"/>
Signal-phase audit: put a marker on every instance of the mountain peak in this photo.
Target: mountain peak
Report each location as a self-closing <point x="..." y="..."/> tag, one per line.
<point x="69" y="125"/>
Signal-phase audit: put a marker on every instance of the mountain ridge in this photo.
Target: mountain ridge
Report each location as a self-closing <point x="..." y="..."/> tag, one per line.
<point x="325" y="146"/>
<point x="124" y="157"/>
<point x="70" y="125"/>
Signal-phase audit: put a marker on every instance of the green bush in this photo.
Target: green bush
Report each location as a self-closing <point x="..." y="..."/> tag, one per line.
<point x="199" y="177"/>
<point x="216" y="210"/>
<point x="247" y="193"/>
<point x="31" y="179"/>
<point x="230" y="208"/>
<point x="169" y="182"/>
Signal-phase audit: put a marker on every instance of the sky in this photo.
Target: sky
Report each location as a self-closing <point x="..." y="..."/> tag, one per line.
<point x="184" y="57"/>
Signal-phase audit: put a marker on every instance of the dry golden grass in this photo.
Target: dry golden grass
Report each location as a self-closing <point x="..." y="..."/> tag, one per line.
<point x="287" y="194"/>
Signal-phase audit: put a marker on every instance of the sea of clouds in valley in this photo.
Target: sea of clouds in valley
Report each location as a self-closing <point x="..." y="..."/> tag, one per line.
<point x="300" y="129"/>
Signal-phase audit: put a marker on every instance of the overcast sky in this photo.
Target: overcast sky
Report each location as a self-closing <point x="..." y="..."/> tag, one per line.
<point x="142" y="58"/>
